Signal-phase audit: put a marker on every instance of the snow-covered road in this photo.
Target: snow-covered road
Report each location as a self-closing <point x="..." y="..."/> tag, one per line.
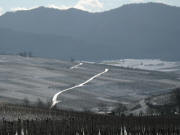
<point x="76" y="66"/>
<point x="55" y="101"/>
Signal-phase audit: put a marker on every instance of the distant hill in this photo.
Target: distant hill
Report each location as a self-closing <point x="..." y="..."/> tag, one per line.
<point x="148" y="30"/>
<point x="44" y="45"/>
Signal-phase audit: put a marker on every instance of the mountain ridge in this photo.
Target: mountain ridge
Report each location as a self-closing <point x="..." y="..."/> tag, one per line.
<point x="148" y="30"/>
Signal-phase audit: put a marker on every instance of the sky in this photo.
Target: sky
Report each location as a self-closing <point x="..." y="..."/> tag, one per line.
<point x="87" y="5"/>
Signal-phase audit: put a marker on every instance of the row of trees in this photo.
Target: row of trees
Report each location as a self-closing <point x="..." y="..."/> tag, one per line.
<point x="25" y="54"/>
<point x="89" y="124"/>
<point x="57" y="122"/>
<point x="39" y="103"/>
<point x="170" y="106"/>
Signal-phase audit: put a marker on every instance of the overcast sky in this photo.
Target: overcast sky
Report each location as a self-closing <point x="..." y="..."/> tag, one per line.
<point x="88" y="5"/>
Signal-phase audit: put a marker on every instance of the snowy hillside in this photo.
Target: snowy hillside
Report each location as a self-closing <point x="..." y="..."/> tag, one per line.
<point x="146" y="64"/>
<point x="37" y="78"/>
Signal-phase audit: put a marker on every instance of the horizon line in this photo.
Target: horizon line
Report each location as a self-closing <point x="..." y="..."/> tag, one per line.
<point x="61" y="9"/>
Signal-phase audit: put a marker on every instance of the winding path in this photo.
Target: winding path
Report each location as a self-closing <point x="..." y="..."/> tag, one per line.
<point x="76" y="66"/>
<point x="55" y="101"/>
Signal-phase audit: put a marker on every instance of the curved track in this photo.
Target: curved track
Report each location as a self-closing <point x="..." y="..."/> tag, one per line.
<point x="55" y="101"/>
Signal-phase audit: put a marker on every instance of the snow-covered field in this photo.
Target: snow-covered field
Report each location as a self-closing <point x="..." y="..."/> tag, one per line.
<point x="35" y="78"/>
<point x="146" y="64"/>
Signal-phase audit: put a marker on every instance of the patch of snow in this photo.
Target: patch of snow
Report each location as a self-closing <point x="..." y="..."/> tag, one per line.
<point x="146" y="64"/>
<point x="3" y="59"/>
<point x="143" y="108"/>
<point x="76" y="66"/>
<point x="170" y="82"/>
<point x="107" y="100"/>
<point x="154" y="103"/>
<point x="89" y="62"/>
<point x="107" y="109"/>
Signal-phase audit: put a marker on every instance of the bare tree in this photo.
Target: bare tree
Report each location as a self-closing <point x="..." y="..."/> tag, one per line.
<point x="26" y="102"/>
<point x="102" y="108"/>
<point x="40" y="103"/>
<point x="177" y="97"/>
<point x="120" y="109"/>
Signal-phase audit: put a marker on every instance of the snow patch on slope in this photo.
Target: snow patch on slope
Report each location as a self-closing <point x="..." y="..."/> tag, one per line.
<point x="146" y="64"/>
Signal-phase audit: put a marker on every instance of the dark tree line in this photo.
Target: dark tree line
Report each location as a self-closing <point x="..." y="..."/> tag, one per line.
<point x="176" y="93"/>
<point x="87" y="124"/>
<point x="62" y="122"/>
<point x="25" y="54"/>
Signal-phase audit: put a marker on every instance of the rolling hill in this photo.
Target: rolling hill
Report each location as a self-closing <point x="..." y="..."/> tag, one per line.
<point x="36" y="78"/>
